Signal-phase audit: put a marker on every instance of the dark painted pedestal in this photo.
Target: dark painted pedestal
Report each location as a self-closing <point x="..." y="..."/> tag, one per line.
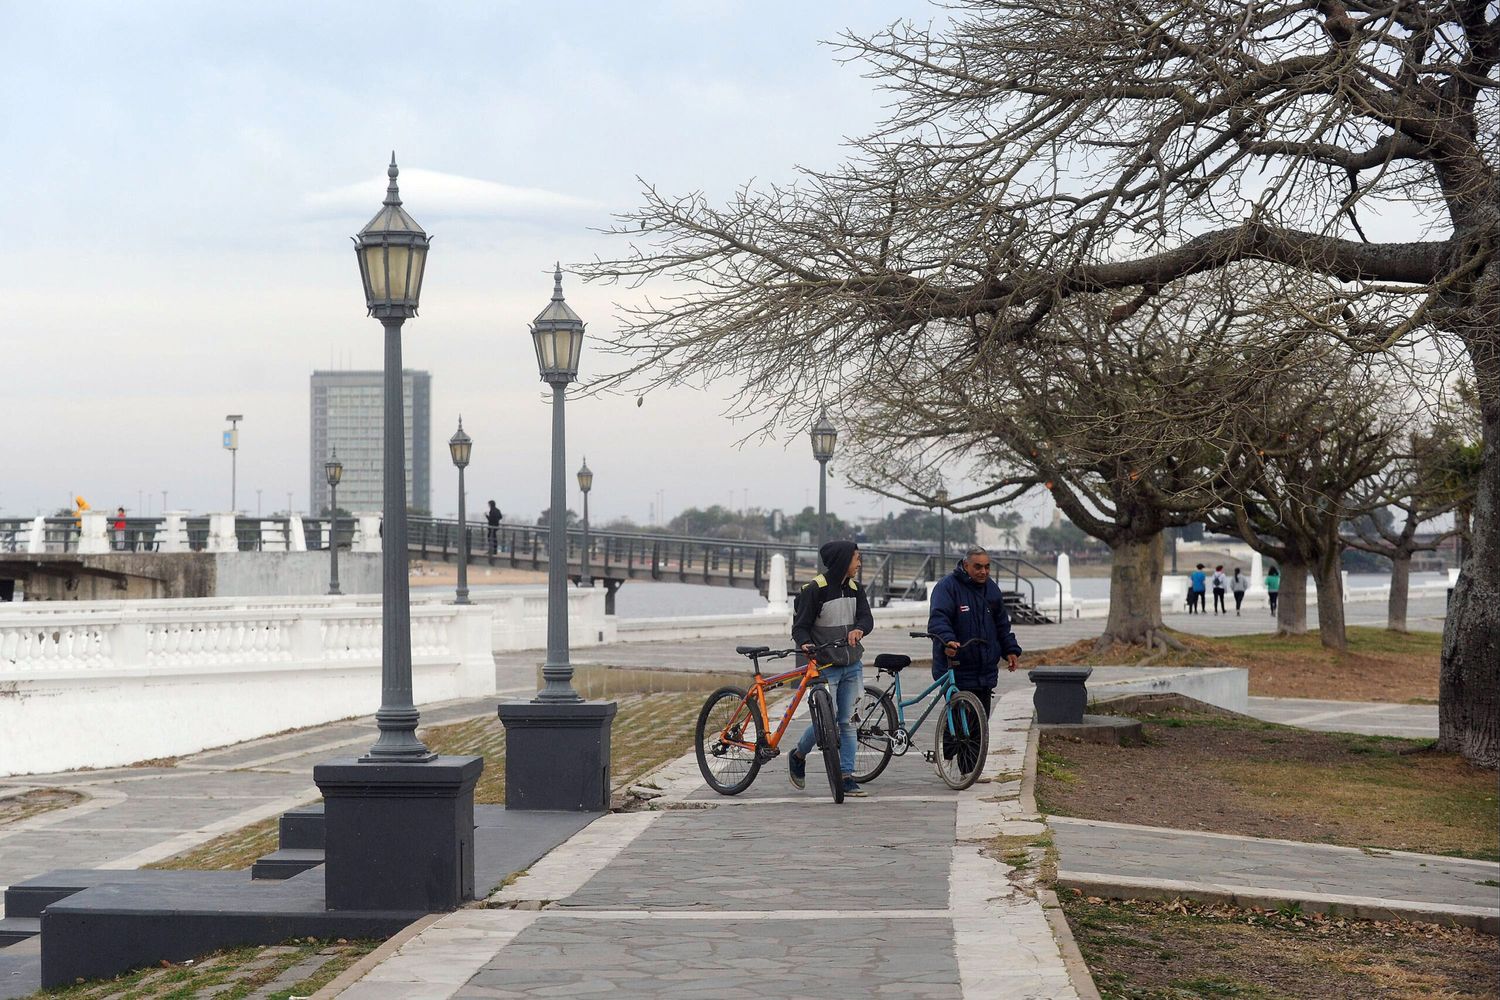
<point x="399" y="836"/>
<point x="1061" y="694"/>
<point x="557" y="755"/>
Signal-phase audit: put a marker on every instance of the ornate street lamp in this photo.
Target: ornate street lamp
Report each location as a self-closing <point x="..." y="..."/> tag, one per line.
<point x="824" y="437"/>
<point x="392" y="252"/>
<point x="459" y="446"/>
<point x="333" y="471"/>
<point x="557" y="334"/>
<point x="585" y="483"/>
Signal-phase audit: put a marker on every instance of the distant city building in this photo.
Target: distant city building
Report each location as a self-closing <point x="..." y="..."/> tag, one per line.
<point x="348" y="414"/>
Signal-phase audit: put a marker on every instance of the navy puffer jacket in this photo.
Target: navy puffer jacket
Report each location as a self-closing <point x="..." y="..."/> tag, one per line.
<point x="962" y="609"/>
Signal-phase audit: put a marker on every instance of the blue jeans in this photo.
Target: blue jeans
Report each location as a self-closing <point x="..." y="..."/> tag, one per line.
<point x="848" y="683"/>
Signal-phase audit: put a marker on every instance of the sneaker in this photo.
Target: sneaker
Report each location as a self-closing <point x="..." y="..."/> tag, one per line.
<point x="797" y="769"/>
<point x="851" y="787"/>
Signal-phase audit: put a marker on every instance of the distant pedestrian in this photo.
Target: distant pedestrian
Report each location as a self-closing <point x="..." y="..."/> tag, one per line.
<point x="1197" y="589"/>
<point x="1220" y="585"/>
<point x="492" y="518"/>
<point x="1239" y="585"/>
<point x="1273" y="587"/>
<point x="119" y="528"/>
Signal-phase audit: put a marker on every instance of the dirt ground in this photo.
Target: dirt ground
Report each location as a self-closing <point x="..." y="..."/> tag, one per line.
<point x="1179" y="949"/>
<point x="1242" y="776"/>
<point x="1378" y="666"/>
<point x="39" y="800"/>
<point x="431" y="573"/>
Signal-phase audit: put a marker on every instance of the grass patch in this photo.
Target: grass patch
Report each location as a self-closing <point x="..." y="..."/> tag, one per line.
<point x="232" y="974"/>
<point x="1244" y="776"/>
<point x="228" y="852"/>
<point x="1175" y="950"/>
<point x="14" y="808"/>
<point x="1379" y="665"/>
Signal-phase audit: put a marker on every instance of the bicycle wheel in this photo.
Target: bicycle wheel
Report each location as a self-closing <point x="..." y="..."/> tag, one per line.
<point x="874" y="729"/>
<point x="728" y="731"/>
<point x="825" y="723"/>
<point x="961" y="741"/>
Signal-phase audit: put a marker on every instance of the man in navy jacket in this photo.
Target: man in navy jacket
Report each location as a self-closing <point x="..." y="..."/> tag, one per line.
<point x="967" y="603"/>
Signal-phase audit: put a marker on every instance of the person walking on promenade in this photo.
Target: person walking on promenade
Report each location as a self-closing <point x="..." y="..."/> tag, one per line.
<point x="1220" y="584"/>
<point x="967" y="604"/>
<point x="1197" y="584"/>
<point x="492" y="518"/>
<point x="831" y="608"/>
<point x="1239" y="584"/>
<point x="1273" y="587"/>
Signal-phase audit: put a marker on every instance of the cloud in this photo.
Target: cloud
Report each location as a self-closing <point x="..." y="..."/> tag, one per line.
<point x="442" y="195"/>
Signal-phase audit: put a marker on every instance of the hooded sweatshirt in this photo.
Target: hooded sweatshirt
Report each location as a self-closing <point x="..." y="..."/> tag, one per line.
<point x="962" y="609"/>
<point x="829" y="607"/>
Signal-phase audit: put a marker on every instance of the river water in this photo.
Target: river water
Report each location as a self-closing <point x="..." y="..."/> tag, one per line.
<point x="638" y="599"/>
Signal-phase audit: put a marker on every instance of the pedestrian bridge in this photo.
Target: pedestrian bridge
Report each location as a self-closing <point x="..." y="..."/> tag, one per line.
<point x="889" y="572"/>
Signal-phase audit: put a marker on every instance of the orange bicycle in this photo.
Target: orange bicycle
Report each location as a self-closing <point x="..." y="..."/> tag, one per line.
<point x="732" y="740"/>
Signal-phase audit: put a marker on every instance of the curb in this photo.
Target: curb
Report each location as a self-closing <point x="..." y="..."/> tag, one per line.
<point x="392" y="944"/>
<point x="1078" y="969"/>
<point x="1028" y="771"/>
<point x="1481" y="919"/>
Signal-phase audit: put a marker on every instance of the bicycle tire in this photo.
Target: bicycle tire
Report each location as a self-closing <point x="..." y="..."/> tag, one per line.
<point x="874" y="722"/>
<point x="825" y="725"/>
<point x="742" y="764"/>
<point x="967" y="731"/>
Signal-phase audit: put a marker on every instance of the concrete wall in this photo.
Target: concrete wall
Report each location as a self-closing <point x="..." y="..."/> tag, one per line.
<point x="260" y="574"/>
<point x="1226" y="687"/>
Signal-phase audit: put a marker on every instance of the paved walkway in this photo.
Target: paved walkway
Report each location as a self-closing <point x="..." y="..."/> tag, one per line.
<point x="771" y="893"/>
<point x="1099" y="854"/>
<point x="1371" y="717"/>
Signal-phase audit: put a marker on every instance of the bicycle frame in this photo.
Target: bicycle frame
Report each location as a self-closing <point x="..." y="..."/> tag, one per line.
<point x="757" y="694"/>
<point x="948" y="685"/>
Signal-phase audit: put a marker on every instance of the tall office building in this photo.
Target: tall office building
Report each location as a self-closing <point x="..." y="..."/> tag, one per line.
<point x="348" y="414"/>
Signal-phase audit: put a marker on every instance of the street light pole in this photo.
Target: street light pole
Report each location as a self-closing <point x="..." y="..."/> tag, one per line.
<point x="824" y="437"/>
<point x="392" y="252"/>
<point x="459" y="447"/>
<point x="585" y="484"/>
<point x="232" y="442"/>
<point x="942" y="499"/>
<point x="333" y="470"/>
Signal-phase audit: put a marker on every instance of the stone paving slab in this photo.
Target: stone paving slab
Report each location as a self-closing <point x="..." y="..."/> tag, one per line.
<point x="1369" y="717"/>
<point x="1278" y="865"/>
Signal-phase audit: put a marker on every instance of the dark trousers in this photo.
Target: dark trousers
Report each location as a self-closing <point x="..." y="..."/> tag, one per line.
<point x="1219" y="600"/>
<point x="986" y="699"/>
<point x="1273" y="596"/>
<point x="1239" y="598"/>
<point x="494" y="539"/>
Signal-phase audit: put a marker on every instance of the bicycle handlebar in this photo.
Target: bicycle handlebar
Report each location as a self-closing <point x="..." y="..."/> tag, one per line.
<point x="964" y="645"/>
<point x="776" y="654"/>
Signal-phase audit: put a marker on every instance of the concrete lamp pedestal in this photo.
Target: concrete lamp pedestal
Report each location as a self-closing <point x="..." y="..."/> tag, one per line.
<point x="1061" y="694"/>
<point x="557" y="755"/>
<point x="399" y="835"/>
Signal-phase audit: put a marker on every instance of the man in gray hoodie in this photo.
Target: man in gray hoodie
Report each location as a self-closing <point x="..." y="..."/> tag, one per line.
<point x="831" y="608"/>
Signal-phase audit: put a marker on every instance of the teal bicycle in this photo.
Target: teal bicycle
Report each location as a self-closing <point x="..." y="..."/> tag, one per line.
<point x="961" y="739"/>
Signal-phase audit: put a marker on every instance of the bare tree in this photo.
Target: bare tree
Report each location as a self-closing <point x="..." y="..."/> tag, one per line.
<point x="1042" y="153"/>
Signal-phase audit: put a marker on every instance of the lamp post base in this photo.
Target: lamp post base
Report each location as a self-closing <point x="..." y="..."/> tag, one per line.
<point x="557" y="755"/>
<point x="399" y="836"/>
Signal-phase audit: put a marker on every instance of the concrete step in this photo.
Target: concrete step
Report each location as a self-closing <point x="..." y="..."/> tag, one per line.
<point x="285" y="863"/>
<point x="302" y="829"/>
<point x="14" y="930"/>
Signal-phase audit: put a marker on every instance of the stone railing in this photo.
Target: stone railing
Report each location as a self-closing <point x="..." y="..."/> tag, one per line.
<point x="87" y="687"/>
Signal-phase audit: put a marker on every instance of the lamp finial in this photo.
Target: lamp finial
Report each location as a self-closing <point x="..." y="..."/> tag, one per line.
<point x="392" y="193"/>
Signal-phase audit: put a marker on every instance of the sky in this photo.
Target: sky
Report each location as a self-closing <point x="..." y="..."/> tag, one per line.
<point x="181" y="181"/>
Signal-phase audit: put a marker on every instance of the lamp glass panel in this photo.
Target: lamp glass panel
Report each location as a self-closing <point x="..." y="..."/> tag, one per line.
<point x="544" y="355"/>
<point x="418" y="269"/>
<point x="460" y="452"/>
<point x="585" y="481"/>
<point x="334" y="471"/>
<point x="399" y="261"/>
<point x="575" y="348"/>
<point x="374" y="255"/>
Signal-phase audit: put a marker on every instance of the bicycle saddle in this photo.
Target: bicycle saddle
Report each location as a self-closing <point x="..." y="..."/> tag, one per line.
<point x="752" y="650"/>
<point x="892" y="663"/>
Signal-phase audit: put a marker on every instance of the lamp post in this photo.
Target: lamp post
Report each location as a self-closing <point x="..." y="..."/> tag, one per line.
<point x="459" y="446"/>
<point x="392" y="252"/>
<point x="942" y="499"/>
<point x="585" y="483"/>
<point x="232" y="445"/>
<point x="824" y="437"/>
<point x="557" y="335"/>
<point x="333" y="470"/>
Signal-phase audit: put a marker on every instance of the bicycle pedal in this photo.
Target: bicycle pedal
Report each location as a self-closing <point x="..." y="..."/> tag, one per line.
<point x="929" y="756"/>
<point x="766" y="753"/>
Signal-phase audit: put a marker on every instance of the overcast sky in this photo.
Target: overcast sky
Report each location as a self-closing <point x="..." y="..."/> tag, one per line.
<point x="181" y="180"/>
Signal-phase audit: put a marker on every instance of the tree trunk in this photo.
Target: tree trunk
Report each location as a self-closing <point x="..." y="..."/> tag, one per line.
<point x="1469" y="682"/>
<point x="1291" y="606"/>
<point x="1395" y="614"/>
<point x="1134" y="592"/>
<point x="1331" y="601"/>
